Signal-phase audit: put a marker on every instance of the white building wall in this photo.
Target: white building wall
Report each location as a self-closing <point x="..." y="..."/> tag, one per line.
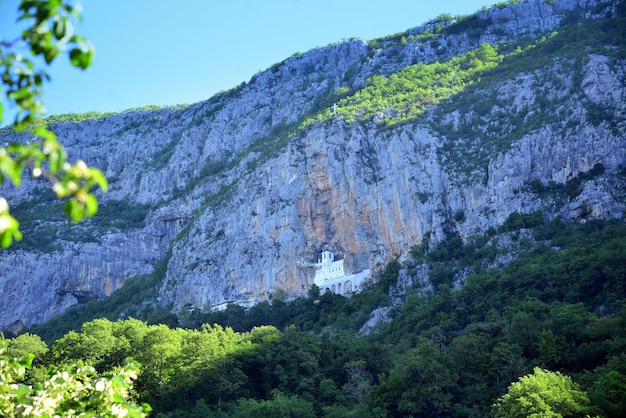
<point x="331" y="277"/>
<point x="329" y="272"/>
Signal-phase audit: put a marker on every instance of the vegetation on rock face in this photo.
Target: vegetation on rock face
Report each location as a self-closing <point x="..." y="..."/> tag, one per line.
<point x="469" y="143"/>
<point x="453" y="84"/>
<point x="403" y="96"/>
<point x="81" y="117"/>
<point x="408" y="93"/>
<point x="45" y="229"/>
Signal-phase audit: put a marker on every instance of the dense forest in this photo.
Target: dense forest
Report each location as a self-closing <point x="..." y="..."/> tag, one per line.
<point x="535" y="298"/>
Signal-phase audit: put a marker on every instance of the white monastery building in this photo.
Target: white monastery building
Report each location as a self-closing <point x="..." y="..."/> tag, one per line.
<point x="331" y="277"/>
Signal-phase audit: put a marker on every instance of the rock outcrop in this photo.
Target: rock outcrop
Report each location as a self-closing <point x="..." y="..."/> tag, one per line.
<point x="241" y="197"/>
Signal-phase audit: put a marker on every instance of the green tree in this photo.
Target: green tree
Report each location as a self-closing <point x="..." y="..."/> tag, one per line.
<point x="69" y="391"/>
<point x="25" y="344"/>
<point x="329" y="393"/>
<point x="359" y="382"/>
<point x="609" y="393"/>
<point x="49" y="34"/>
<point x="159" y="353"/>
<point x="543" y="394"/>
<point x="129" y="334"/>
<point x="421" y="384"/>
<point x="96" y="345"/>
<point x="280" y="405"/>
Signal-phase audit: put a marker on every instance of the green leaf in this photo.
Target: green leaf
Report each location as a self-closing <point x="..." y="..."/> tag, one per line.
<point x="9" y="228"/>
<point x="99" y="179"/>
<point x="77" y="39"/>
<point x="21" y="391"/>
<point x="50" y="54"/>
<point x="91" y="204"/>
<point x="56" y="163"/>
<point x="45" y="134"/>
<point x="74" y="210"/>
<point x="81" y="57"/>
<point x="20" y="94"/>
<point x="59" y="28"/>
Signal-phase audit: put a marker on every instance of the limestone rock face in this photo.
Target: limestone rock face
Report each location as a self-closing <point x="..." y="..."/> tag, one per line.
<point x="241" y="202"/>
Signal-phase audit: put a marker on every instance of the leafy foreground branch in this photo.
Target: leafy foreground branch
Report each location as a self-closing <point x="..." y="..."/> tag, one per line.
<point x="68" y="391"/>
<point x="49" y="35"/>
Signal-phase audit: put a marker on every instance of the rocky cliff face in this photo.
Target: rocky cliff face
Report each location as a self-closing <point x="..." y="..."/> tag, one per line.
<point x="241" y="199"/>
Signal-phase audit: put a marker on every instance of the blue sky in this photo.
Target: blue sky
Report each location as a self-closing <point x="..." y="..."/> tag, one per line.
<point x="157" y="52"/>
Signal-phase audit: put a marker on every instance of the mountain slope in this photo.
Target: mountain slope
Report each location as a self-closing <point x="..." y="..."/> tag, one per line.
<point x="365" y="148"/>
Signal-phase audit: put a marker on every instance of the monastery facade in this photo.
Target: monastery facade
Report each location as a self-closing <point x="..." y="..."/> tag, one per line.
<point x="331" y="277"/>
